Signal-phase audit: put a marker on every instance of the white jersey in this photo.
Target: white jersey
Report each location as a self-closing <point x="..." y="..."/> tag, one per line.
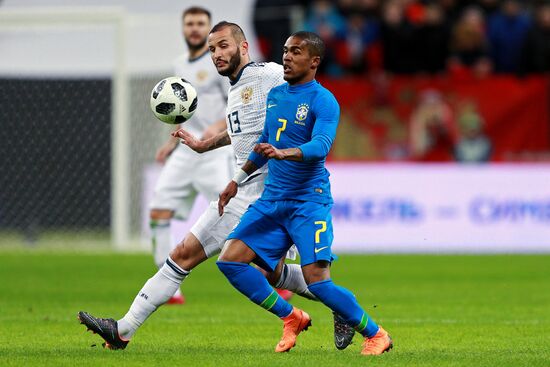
<point x="187" y="173"/>
<point x="246" y="107"/>
<point x="211" y="91"/>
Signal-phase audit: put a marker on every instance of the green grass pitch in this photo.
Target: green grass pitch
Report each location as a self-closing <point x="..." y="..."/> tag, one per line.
<point x="440" y="310"/>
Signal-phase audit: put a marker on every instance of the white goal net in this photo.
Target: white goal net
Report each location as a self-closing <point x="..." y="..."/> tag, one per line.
<point x="76" y="132"/>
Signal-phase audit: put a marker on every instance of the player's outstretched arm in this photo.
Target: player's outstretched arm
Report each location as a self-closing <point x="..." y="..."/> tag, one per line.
<point x="201" y="146"/>
<point x="233" y="186"/>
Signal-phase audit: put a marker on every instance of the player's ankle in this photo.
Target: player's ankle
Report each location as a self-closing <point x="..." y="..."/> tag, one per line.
<point x="125" y="330"/>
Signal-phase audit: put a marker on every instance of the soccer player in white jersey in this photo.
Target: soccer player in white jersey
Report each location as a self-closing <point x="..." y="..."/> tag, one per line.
<point x="187" y="173"/>
<point x="246" y="109"/>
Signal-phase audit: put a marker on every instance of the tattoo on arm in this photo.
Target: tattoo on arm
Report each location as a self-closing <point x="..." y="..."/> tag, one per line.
<point x="222" y="140"/>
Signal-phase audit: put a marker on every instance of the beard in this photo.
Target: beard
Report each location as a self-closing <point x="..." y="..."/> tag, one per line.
<point x="234" y="63"/>
<point x="195" y="47"/>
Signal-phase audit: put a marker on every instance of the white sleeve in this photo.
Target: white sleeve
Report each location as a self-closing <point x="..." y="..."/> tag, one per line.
<point x="273" y="76"/>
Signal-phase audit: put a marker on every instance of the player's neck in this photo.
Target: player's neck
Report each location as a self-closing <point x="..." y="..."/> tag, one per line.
<point x="244" y="61"/>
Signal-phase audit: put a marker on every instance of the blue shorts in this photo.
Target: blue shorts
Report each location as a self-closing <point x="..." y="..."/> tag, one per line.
<point x="269" y="228"/>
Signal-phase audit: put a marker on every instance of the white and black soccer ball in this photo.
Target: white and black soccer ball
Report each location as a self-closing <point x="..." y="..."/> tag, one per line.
<point x="173" y="100"/>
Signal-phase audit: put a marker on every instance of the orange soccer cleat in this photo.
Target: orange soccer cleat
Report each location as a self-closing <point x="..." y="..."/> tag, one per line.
<point x="381" y="342"/>
<point x="294" y="324"/>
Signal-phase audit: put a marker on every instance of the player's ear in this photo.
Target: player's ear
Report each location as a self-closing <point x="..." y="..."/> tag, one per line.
<point x="244" y="47"/>
<point x="315" y="62"/>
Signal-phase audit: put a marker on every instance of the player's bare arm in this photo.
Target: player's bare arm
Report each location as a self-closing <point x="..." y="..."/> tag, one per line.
<point x="269" y="151"/>
<point x="214" y="129"/>
<point x="166" y="149"/>
<point x="232" y="187"/>
<point x="200" y="146"/>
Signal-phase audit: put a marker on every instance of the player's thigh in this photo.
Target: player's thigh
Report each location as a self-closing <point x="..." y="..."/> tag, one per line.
<point x="211" y="230"/>
<point x="311" y="229"/>
<point x="263" y="234"/>
<point x="213" y="174"/>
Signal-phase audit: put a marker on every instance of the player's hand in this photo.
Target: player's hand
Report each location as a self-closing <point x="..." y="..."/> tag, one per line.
<point x="226" y="195"/>
<point x="189" y="140"/>
<point x="165" y="150"/>
<point x="269" y="151"/>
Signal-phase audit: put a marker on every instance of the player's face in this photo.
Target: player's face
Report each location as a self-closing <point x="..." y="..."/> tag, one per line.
<point x="225" y="52"/>
<point x="195" y="30"/>
<point x="299" y="66"/>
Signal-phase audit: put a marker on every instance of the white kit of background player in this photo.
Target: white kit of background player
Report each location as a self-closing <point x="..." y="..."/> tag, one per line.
<point x="187" y="173"/>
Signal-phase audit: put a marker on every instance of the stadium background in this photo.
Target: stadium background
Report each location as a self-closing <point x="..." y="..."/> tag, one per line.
<point x="444" y="143"/>
<point x="77" y="141"/>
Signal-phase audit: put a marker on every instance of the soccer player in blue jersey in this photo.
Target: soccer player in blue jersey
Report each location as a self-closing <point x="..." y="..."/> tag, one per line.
<point x="300" y="127"/>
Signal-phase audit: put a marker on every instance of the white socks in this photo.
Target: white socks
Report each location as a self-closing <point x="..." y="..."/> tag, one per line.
<point x="156" y="291"/>
<point x="162" y="240"/>
<point x="292" y="279"/>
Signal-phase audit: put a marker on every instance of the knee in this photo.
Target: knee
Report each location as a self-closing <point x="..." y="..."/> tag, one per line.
<point x="179" y="253"/>
<point x="316" y="272"/>
<point x="272" y="277"/>
<point x="187" y="256"/>
<point x="313" y="278"/>
<point x="236" y="251"/>
<point x="160" y="214"/>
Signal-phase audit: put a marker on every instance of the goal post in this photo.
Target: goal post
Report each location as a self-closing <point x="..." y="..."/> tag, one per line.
<point x="37" y="19"/>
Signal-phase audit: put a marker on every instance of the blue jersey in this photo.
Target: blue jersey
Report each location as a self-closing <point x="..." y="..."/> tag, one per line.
<point x="303" y="116"/>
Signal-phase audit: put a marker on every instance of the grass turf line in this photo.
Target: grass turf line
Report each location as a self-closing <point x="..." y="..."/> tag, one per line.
<point x="440" y="310"/>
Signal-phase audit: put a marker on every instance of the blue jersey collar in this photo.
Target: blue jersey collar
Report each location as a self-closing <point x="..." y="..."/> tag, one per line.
<point x="301" y="87"/>
<point x="233" y="82"/>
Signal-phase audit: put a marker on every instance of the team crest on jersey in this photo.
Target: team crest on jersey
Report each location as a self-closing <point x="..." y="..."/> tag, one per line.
<point x="301" y="112"/>
<point x="202" y="75"/>
<point x="246" y="95"/>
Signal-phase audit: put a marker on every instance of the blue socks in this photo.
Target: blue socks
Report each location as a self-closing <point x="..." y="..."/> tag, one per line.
<point x="343" y="302"/>
<point x="250" y="282"/>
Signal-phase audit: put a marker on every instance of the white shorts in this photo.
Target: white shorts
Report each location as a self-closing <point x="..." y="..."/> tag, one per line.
<point x="187" y="173"/>
<point x="212" y="230"/>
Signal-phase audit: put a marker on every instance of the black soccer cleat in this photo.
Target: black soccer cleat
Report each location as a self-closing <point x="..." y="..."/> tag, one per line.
<point x="343" y="333"/>
<point x="105" y="328"/>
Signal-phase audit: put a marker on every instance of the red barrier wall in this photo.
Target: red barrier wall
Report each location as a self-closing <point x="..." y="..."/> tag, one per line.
<point x="378" y="113"/>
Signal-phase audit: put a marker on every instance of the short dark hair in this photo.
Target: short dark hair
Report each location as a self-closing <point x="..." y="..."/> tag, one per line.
<point x="315" y="44"/>
<point x="236" y="30"/>
<point x="196" y="10"/>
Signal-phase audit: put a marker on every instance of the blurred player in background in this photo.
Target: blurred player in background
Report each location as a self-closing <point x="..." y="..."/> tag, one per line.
<point x="246" y="109"/>
<point x="186" y="173"/>
<point x="300" y="127"/>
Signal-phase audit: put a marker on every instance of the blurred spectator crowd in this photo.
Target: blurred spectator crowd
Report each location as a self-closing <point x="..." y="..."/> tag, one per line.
<point x="415" y="36"/>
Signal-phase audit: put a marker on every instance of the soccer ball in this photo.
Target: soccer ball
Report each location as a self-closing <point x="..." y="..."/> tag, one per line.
<point x="173" y="100"/>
